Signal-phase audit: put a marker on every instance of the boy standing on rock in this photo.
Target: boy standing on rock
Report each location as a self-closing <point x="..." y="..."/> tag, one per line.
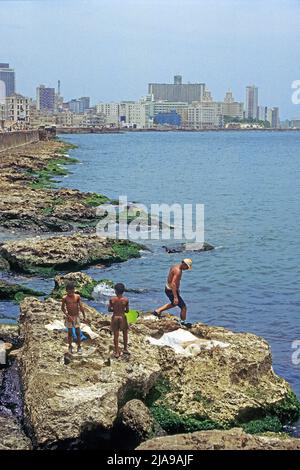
<point x="71" y="307"/>
<point x="119" y="305"/>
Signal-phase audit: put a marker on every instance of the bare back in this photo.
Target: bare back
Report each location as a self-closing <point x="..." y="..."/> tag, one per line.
<point x="174" y="276"/>
<point x="118" y="305"/>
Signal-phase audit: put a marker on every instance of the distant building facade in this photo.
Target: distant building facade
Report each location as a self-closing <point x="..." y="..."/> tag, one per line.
<point x="170" y="118"/>
<point x="295" y="123"/>
<point x="177" y="91"/>
<point x="133" y="114"/>
<point x="170" y="106"/>
<point x="262" y="113"/>
<point x="7" y="77"/>
<point x="232" y="108"/>
<point x="45" y="99"/>
<point x="80" y="105"/>
<point x="273" y="117"/>
<point x="111" y="111"/>
<point x="251" y="102"/>
<point x="17" y="108"/>
<point x="205" y="114"/>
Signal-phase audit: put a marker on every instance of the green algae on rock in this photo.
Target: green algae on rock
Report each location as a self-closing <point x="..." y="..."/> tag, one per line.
<point x="49" y="256"/>
<point x="28" y="200"/>
<point x="84" y="285"/>
<point x="212" y="389"/>
<point x="16" y="292"/>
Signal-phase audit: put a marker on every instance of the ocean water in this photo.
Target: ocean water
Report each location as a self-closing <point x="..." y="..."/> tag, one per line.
<point x="249" y="183"/>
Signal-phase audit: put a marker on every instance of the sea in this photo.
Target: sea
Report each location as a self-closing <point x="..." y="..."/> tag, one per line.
<point x="249" y="185"/>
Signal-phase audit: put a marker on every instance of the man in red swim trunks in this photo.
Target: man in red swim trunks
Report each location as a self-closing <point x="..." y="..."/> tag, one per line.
<point x="172" y="289"/>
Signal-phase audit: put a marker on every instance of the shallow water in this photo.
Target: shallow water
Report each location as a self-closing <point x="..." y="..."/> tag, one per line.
<point x="249" y="183"/>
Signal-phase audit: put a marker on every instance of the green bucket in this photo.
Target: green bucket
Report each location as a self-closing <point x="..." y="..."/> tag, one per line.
<point x="132" y="316"/>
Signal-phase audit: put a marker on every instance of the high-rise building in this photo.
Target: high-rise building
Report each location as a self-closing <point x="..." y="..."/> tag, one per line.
<point x="177" y="91"/>
<point x="84" y="103"/>
<point x="251" y="102"/>
<point x="7" y="77"/>
<point x="45" y="99"/>
<point x="273" y="117"/>
<point x="80" y="105"/>
<point x="262" y="113"/>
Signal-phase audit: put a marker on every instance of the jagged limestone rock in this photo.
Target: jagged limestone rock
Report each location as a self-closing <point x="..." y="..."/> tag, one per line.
<point x="233" y="439"/>
<point x="65" y="396"/>
<point x="47" y="256"/>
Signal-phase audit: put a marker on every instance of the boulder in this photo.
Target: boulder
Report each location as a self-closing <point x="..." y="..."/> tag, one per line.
<point x="182" y="247"/>
<point x="84" y="285"/>
<point x="12" y="436"/>
<point x="136" y="421"/>
<point x="16" y="292"/>
<point x="47" y="256"/>
<point x="233" y="439"/>
<point x="71" y="398"/>
<point x="65" y="397"/>
<point x="9" y="333"/>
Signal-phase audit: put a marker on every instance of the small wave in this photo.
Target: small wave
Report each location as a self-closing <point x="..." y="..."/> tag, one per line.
<point x="103" y="290"/>
<point x="219" y="247"/>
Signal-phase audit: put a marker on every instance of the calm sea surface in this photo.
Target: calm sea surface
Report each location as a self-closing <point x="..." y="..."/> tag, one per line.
<point x="249" y="183"/>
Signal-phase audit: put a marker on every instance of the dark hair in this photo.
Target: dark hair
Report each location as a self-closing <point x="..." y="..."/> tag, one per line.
<point x="70" y="285"/>
<point x="119" y="288"/>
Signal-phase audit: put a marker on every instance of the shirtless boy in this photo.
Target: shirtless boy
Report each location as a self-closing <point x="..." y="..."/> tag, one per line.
<point x="172" y="289"/>
<point x="119" y="305"/>
<point x="71" y="307"/>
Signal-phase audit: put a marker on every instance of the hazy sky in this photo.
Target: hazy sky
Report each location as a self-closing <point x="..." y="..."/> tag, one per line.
<point x="111" y="49"/>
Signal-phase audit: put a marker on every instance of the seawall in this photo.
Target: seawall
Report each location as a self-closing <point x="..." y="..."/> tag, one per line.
<point x="9" y="140"/>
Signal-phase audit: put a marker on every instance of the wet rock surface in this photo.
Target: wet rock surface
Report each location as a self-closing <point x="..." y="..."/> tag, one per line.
<point x="48" y="256"/>
<point x="16" y="292"/>
<point x="71" y="398"/>
<point x="12" y="436"/>
<point x="136" y="422"/>
<point x="182" y="247"/>
<point x="233" y="439"/>
<point x="28" y="203"/>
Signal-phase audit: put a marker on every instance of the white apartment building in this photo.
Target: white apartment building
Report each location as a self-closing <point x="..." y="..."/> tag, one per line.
<point x="17" y="108"/>
<point x="133" y="114"/>
<point x="111" y="111"/>
<point x="205" y="114"/>
<point x="64" y="119"/>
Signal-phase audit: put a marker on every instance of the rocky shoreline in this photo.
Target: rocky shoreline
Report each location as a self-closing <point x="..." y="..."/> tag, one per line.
<point x="29" y="201"/>
<point x="88" y="401"/>
<point x="216" y="392"/>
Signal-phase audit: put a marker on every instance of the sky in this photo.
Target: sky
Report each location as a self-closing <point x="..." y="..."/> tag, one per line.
<point x="111" y="49"/>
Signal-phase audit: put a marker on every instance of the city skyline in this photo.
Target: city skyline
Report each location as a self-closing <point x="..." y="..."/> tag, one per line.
<point x="112" y="60"/>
